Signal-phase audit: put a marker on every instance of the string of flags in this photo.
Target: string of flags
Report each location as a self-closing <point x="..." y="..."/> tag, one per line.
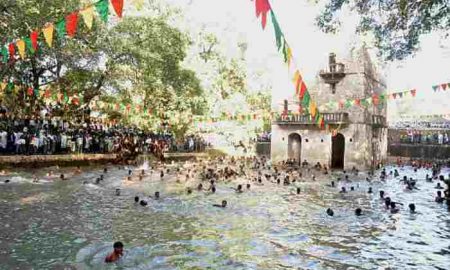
<point x="65" y="27"/>
<point x="263" y="8"/>
<point x="442" y="86"/>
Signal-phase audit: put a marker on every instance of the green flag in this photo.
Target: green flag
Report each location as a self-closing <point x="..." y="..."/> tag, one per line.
<point x="277" y="29"/>
<point x="305" y="101"/>
<point x="5" y="55"/>
<point x="61" y="29"/>
<point x="29" y="45"/>
<point x="348" y="103"/>
<point x="102" y="7"/>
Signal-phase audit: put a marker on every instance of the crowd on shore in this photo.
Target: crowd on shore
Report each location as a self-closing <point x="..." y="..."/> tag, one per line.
<point x="425" y="137"/>
<point x="48" y="136"/>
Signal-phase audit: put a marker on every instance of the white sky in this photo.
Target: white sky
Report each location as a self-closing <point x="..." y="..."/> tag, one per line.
<point x="235" y="20"/>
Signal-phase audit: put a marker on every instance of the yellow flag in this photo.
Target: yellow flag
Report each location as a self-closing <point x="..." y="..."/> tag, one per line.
<point x="48" y="34"/>
<point x="88" y="16"/>
<point x="138" y="4"/>
<point x="21" y="46"/>
<point x="312" y="108"/>
<point x="296" y="76"/>
<point x="3" y="86"/>
<point x="289" y="56"/>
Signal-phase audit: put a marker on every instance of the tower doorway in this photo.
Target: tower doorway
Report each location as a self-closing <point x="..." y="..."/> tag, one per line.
<point x="338" y="151"/>
<point x="295" y="147"/>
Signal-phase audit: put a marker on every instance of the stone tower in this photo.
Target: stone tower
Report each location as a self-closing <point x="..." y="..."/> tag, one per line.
<point x="360" y="138"/>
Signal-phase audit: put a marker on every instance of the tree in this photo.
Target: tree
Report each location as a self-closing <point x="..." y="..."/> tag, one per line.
<point x="397" y="25"/>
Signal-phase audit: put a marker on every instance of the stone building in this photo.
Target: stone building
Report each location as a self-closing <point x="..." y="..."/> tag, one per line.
<point x="361" y="136"/>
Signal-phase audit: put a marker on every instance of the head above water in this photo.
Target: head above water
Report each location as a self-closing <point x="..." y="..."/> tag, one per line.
<point x="358" y="211"/>
<point x="412" y="207"/>
<point x="298" y="190"/>
<point x="157" y="195"/>
<point x="381" y="193"/>
<point x="248" y="186"/>
<point x="330" y="212"/>
<point x="136" y="199"/>
<point x="118" y="248"/>
<point x="224" y="203"/>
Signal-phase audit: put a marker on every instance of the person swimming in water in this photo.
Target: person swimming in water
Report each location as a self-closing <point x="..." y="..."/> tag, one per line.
<point x="189" y="190"/>
<point x="136" y="199"/>
<point x="116" y="254"/>
<point x="381" y="194"/>
<point x="239" y="189"/>
<point x="330" y="212"/>
<point x="412" y="208"/>
<point x="200" y="187"/>
<point x="358" y="212"/>
<point x="117" y="191"/>
<point x="248" y="186"/>
<point x="105" y="170"/>
<point x="223" y="205"/>
<point x="439" y="198"/>
<point x="394" y="208"/>
<point x="62" y="177"/>
<point x="438" y="186"/>
<point x="298" y="190"/>
<point x="343" y="190"/>
<point x="370" y="190"/>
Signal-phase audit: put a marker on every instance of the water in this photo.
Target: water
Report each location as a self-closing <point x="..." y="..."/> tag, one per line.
<point x="71" y="225"/>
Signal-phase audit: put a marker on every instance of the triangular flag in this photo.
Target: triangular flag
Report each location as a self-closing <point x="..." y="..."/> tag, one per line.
<point x="400" y="95"/>
<point x="36" y="92"/>
<point x="413" y="92"/>
<point x="138" y="4"/>
<point x="289" y="56"/>
<point x="21" y="47"/>
<point x="312" y="108"/>
<point x="348" y="103"/>
<point x="118" y="7"/>
<point x="444" y="86"/>
<point x="34" y="39"/>
<point x="5" y="54"/>
<point x="394" y="95"/>
<point x="435" y="87"/>
<point x="285" y="52"/>
<point x="277" y="29"/>
<point x="12" y="50"/>
<point x="102" y="7"/>
<point x="29" y="45"/>
<point x="48" y="34"/>
<point x="61" y="29"/>
<point x="3" y="86"/>
<point x="71" y="24"/>
<point x="30" y="91"/>
<point x="358" y="102"/>
<point x="88" y="16"/>
<point x="305" y="100"/>
<point x="262" y="8"/>
<point x="302" y="90"/>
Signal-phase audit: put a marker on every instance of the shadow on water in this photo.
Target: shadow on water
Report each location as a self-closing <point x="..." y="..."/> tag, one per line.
<point x="58" y="224"/>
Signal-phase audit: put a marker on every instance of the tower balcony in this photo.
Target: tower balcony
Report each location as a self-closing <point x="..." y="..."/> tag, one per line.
<point x="379" y="121"/>
<point x="306" y="119"/>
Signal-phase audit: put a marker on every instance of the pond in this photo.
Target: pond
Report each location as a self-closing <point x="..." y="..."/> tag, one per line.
<point x="72" y="224"/>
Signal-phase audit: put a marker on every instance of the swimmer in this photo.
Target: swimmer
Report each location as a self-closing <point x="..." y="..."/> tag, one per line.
<point x="117" y="191"/>
<point x="156" y="197"/>
<point x="136" y="199"/>
<point x="223" y="205"/>
<point x="428" y="178"/>
<point x="439" y="198"/>
<point x="116" y="254"/>
<point x="143" y="203"/>
<point x="298" y="190"/>
<point x="200" y="187"/>
<point x="35" y="179"/>
<point x="101" y="177"/>
<point x="330" y="212"/>
<point x="97" y="181"/>
<point x="438" y="186"/>
<point x="370" y="190"/>
<point x="248" y="186"/>
<point x="189" y="190"/>
<point x="105" y="170"/>
<point x="50" y="173"/>
<point x="7" y="181"/>
<point x="381" y="194"/>
<point x="343" y="190"/>
<point x="161" y="175"/>
<point x="239" y="189"/>
<point x="358" y="212"/>
<point x="332" y="184"/>
<point x="62" y="177"/>
<point x="77" y="170"/>
<point x="213" y="189"/>
<point x="412" y="208"/>
<point x="352" y="188"/>
<point x="130" y="172"/>
<point x="394" y="210"/>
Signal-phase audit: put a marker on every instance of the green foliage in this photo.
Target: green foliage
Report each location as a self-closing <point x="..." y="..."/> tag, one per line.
<point x="397" y="25"/>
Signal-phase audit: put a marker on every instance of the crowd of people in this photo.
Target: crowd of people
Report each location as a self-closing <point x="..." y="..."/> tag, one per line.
<point x="48" y="136"/>
<point x="425" y="136"/>
<point x="415" y="124"/>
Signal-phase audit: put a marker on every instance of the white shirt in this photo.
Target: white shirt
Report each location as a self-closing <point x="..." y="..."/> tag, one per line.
<point x="3" y="139"/>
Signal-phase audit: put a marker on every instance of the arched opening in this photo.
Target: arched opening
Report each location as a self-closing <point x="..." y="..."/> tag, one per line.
<point x="294" y="147"/>
<point x="338" y="150"/>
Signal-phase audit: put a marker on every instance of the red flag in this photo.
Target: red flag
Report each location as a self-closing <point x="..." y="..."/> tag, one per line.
<point x="358" y="102"/>
<point x="375" y="99"/>
<point x="413" y="92"/>
<point x="262" y="8"/>
<point x="47" y="93"/>
<point x="118" y="7"/>
<point x="394" y="95"/>
<point x="444" y="86"/>
<point x="30" y="91"/>
<point x="302" y="90"/>
<point x="341" y="104"/>
<point x="34" y="37"/>
<point x="12" y="50"/>
<point x="71" y="23"/>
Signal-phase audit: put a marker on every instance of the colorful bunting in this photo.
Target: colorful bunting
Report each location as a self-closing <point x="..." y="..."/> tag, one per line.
<point x="102" y="7"/>
<point x="34" y="37"/>
<point x="444" y="86"/>
<point x="12" y="50"/>
<point x="29" y="45"/>
<point x="71" y="24"/>
<point x="48" y="34"/>
<point x="262" y="8"/>
<point x="88" y="16"/>
<point x="277" y="29"/>
<point x="5" y="54"/>
<point x="61" y="29"/>
<point x="21" y="47"/>
<point x="118" y="7"/>
<point x="413" y="92"/>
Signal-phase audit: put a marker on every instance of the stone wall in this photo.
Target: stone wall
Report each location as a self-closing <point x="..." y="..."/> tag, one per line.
<point x="441" y="152"/>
